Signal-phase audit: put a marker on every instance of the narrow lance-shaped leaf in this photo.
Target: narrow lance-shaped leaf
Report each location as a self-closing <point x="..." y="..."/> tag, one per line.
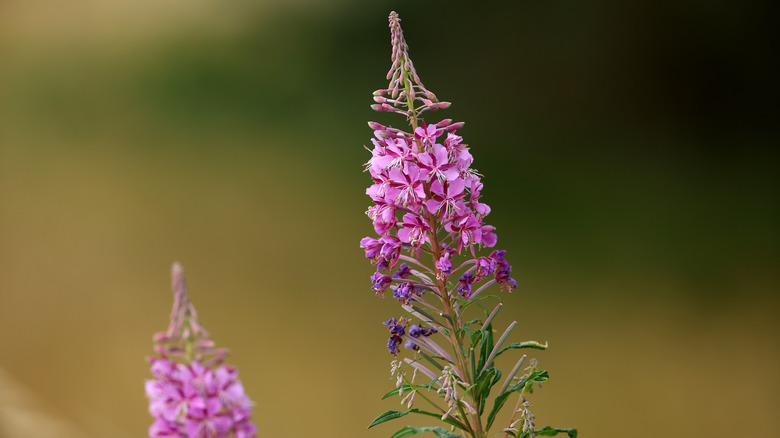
<point x="392" y="415"/>
<point x="406" y="387"/>
<point x="511" y="375"/>
<point x="498" y="344"/>
<point x="438" y="431"/>
<point x="526" y="344"/>
<point x="492" y="315"/>
<point x="552" y="431"/>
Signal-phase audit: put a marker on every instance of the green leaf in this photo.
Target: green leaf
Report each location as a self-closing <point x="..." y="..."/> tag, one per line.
<point x="392" y="415"/>
<point x="438" y="431"/>
<point x="473" y="359"/>
<point x="538" y="376"/>
<point x="552" y="431"/>
<point x="486" y="347"/>
<point x="448" y="318"/>
<point x="484" y="382"/>
<point x="431" y="361"/>
<point x="497" y="405"/>
<point x="466" y="304"/>
<point x="406" y="387"/>
<point x="526" y="344"/>
<point x="473" y="321"/>
<point x="425" y="314"/>
<point x="387" y="416"/>
<point x="475" y="337"/>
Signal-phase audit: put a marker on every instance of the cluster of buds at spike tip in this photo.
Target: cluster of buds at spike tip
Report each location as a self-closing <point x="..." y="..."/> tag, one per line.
<point x="405" y="94"/>
<point x="193" y="394"/>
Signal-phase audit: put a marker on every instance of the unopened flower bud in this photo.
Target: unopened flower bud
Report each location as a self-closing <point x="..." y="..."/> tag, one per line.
<point x="376" y="126"/>
<point x="456" y="126"/>
<point x="380" y="92"/>
<point x="444" y="105"/>
<point x="380" y="99"/>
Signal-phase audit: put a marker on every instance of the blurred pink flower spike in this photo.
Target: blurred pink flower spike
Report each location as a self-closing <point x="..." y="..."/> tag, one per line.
<point x="193" y="394"/>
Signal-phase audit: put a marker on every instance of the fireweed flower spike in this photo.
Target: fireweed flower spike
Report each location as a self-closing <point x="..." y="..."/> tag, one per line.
<point x="192" y="394"/>
<point x="430" y="223"/>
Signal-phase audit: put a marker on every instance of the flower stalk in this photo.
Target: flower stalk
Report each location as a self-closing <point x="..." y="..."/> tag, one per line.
<point x="193" y="394"/>
<point x="427" y="213"/>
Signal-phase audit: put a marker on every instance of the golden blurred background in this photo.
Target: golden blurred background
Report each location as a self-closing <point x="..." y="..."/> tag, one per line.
<point x="628" y="154"/>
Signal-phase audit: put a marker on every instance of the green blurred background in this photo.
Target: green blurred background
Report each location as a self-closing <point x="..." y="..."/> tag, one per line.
<point x="628" y="154"/>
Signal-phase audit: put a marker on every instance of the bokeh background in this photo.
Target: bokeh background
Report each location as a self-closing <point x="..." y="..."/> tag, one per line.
<point x="628" y="153"/>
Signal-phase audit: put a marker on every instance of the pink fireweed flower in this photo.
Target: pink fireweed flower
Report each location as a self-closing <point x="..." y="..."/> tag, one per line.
<point x="427" y="135"/>
<point x="414" y="230"/>
<point x="437" y="164"/>
<point x="445" y="196"/>
<point x="407" y="185"/>
<point x="192" y="394"/>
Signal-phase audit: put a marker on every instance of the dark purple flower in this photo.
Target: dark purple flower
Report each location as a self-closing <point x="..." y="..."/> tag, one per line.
<point x="403" y="272"/>
<point x="380" y="283"/>
<point x="444" y="264"/>
<point x="503" y="269"/>
<point x="485" y="266"/>
<point x="464" y="284"/>
<point x="505" y="282"/>
<point x="395" y="326"/>
<point x="404" y="292"/>
<point x="391" y="249"/>
<point x="383" y="252"/>
<point x="392" y="344"/>
<point x="416" y="331"/>
<point x="397" y="330"/>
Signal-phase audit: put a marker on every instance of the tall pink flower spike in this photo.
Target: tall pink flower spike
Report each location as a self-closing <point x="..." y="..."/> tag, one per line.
<point x="429" y="223"/>
<point x="192" y="394"/>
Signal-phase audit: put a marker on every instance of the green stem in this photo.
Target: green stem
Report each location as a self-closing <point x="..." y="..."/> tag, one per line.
<point x="453" y="322"/>
<point x="409" y="100"/>
<point x="454" y="336"/>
